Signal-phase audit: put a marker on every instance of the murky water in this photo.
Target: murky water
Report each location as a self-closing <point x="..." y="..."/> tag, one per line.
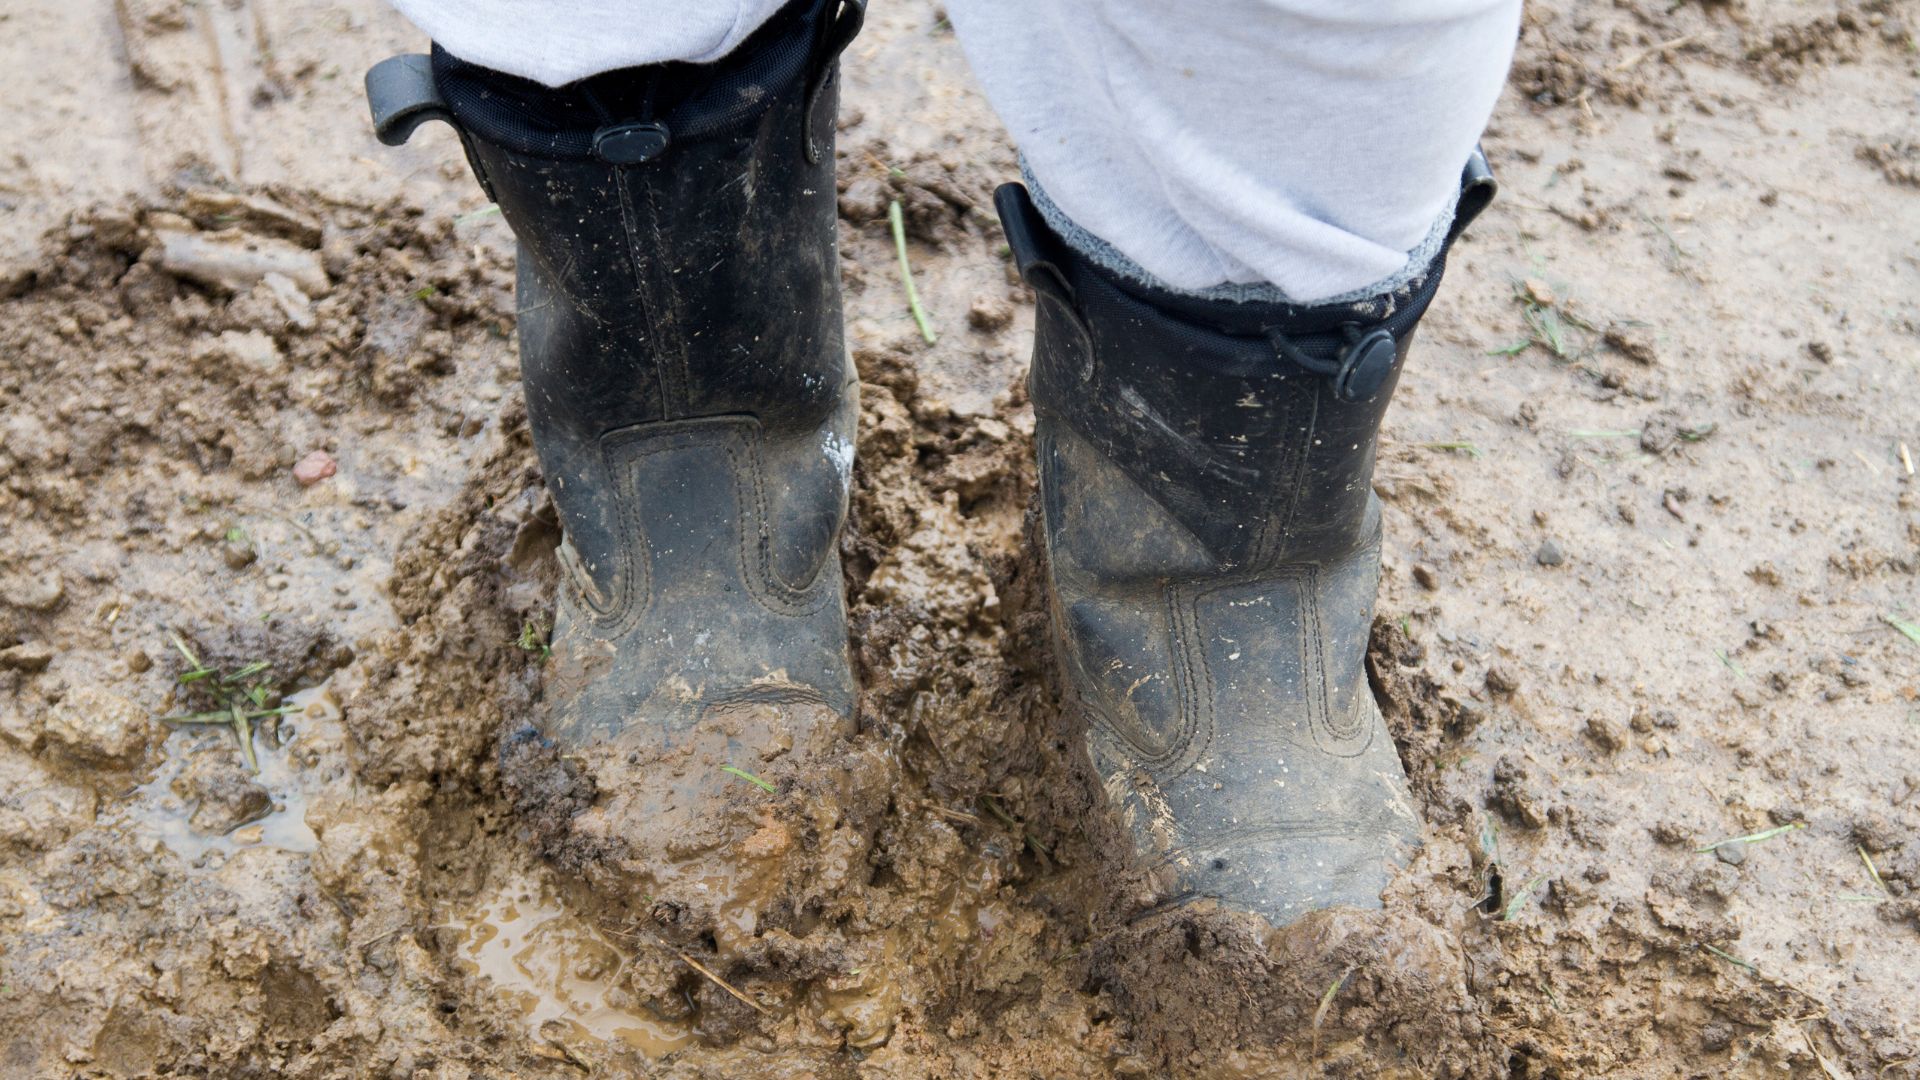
<point x="560" y="973"/>
<point x="159" y="813"/>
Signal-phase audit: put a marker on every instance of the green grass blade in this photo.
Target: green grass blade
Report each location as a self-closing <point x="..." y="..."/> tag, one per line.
<point x="898" y="222"/>
<point x="749" y="778"/>
<point x="1753" y="838"/>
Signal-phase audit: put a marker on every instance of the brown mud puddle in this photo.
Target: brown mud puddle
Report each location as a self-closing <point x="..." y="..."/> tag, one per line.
<point x="163" y="810"/>
<point x="558" y="972"/>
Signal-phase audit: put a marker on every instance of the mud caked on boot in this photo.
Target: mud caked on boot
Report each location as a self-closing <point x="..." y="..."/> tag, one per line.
<point x="1214" y="548"/>
<point x="693" y="407"/>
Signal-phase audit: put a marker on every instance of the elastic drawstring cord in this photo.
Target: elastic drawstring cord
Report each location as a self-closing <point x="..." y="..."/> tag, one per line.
<point x="1358" y="369"/>
<point x="1286" y="348"/>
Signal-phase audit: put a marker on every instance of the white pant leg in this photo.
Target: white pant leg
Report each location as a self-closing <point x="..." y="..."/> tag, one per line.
<point x="561" y="41"/>
<point x="1304" y="150"/>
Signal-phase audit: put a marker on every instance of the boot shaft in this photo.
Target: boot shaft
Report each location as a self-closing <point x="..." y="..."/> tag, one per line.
<point x="1251" y="426"/>
<point x="676" y="228"/>
<point x="677" y="265"/>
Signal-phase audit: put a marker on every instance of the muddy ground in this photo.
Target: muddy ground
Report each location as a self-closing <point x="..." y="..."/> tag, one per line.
<point x="1652" y="535"/>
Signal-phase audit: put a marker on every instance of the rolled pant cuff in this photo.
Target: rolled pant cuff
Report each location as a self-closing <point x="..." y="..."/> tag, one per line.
<point x="1110" y="259"/>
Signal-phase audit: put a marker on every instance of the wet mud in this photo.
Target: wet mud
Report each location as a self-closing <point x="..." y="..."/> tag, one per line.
<point x="277" y="567"/>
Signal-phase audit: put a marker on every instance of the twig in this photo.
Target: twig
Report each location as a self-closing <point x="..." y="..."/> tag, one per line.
<point x="899" y="225"/>
<point x="722" y="983"/>
<point x="1827" y="1067"/>
<point x="1872" y="871"/>
<point x="1660" y="49"/>
<point x="641" y="933"/>
<point x="558" y="1051"/>
<point x="946" y="812"/>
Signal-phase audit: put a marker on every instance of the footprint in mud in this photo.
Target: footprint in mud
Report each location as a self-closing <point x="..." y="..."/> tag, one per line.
<point x="559" y="973"/>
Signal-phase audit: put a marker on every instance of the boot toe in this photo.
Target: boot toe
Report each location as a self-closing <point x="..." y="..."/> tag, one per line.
<point x="704" y="828"/>
<point x="1282" y="875"/>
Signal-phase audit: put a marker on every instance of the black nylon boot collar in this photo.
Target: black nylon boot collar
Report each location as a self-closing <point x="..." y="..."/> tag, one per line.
<point x="633" y="115"/>
<point x="1313" y="337"/>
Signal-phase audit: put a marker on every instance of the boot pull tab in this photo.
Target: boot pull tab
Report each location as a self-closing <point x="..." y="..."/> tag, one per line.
<point x="1477" y="188"/>
<point x="1026" y="234"/>
<point x="848" y="17"/>
<point x="402" y="95"/>
<point x="1357" y="371"/>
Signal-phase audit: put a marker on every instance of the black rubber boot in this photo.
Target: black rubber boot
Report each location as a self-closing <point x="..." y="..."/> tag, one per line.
<point x="693" y="406"/>
<point x="1214" y="545"/>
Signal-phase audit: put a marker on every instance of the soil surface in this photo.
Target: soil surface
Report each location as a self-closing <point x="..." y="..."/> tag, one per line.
<point x="1649" y="638"/>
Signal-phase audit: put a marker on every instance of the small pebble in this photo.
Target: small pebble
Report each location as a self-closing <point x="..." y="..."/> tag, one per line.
<point x="1605" y="734"/>
<point x="1634" y="343"/>
<point x="1549" y="554"/>
<point x="1501" y="681"/>
<point x="989" y="313"/>
<point x="314" y="468"/>
<point x="1423" y="574"/>
<point x="1731" y="854"/>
